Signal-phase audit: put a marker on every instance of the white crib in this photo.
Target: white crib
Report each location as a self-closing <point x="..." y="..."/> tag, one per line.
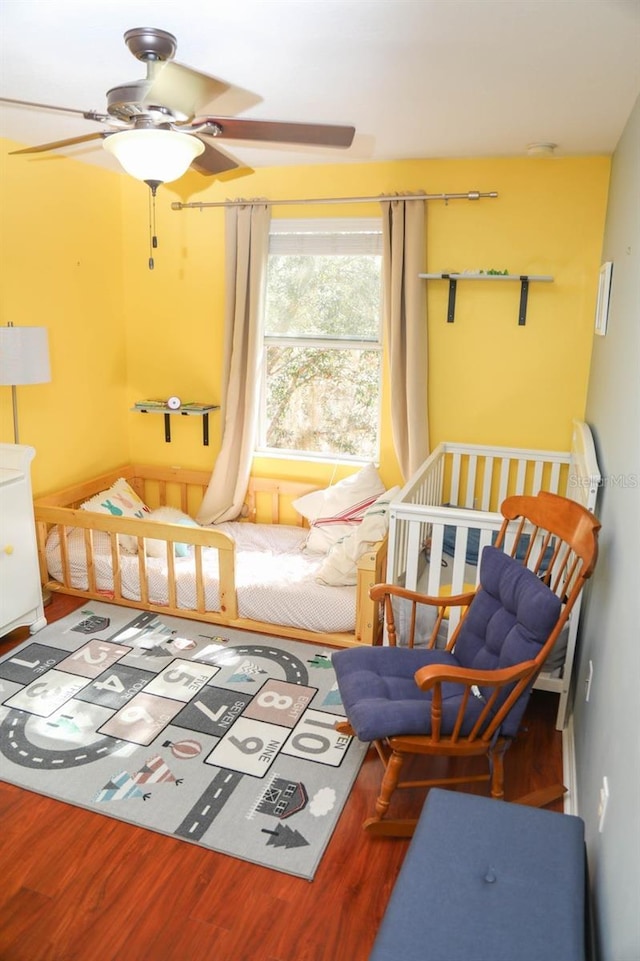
<point x="449" y="510"/>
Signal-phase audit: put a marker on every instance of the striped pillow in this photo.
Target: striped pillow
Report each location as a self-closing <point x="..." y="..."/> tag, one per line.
<point x="337" y="510"/>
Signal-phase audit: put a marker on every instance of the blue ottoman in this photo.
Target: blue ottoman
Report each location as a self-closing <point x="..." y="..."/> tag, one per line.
<point x="484" y="880"/>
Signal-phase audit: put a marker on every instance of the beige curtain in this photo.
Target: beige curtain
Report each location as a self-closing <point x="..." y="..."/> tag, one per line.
<point x="247" y="245"/>
<point x="405" y="315"/>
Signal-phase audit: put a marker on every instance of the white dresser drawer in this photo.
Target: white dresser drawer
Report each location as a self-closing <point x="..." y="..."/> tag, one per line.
<point x="20" y="592"/>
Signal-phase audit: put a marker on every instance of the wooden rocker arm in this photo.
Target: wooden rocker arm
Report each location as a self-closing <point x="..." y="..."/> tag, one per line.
<point x="379" y="591"/>
<point x="386" y="592"/>
<point x="435" y="675"/>
<point x="427" y="677"/>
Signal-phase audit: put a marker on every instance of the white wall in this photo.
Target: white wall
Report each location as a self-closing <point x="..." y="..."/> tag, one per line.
<point x="607" y="728"/>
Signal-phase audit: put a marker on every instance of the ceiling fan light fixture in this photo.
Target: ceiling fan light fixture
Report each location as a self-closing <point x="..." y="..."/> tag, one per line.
<point x="154" y="155"/>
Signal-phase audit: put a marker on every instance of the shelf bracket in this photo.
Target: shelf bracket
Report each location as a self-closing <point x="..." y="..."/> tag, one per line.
<point x="205" y="428"/>
<point x="524" y="295"/>
<point x="451" y="308"/>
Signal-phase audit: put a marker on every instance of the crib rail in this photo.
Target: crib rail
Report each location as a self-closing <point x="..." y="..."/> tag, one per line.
<point x="468" y="483"/>
<point x="584" y="477"/>
<point x="478" y="477"/>
<point x="445" y="515"/>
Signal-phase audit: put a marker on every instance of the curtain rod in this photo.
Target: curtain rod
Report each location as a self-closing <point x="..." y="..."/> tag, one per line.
<point x="470" y="195"/>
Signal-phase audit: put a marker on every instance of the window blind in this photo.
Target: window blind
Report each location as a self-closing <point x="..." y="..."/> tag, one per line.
<point x="327" y="235"/>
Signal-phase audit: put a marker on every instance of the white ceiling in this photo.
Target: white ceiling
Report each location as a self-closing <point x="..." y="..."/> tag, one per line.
<point x="417" y="78"/>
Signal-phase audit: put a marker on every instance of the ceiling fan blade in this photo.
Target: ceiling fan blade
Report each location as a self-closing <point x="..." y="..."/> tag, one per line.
<point x="274" y="131"/>
<point x="213" y="160"/>
<point x="62" y="143"/>
<point x="87" y="114"/>
<point x="182" y="89"/>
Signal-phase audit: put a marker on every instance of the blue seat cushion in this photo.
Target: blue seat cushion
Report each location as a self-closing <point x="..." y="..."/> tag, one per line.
<point x="508" y="621"/>
<point x="381" y="697"/>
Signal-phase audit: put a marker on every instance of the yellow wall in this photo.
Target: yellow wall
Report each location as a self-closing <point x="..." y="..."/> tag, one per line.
<point x="160" y="332"/>
<point x="60" y="267"/>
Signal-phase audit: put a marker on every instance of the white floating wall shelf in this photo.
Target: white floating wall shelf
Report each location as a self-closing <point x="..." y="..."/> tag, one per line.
<point x="523" y="279"/>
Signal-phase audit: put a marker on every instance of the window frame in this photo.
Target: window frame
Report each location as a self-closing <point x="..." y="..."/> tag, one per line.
<point x="322" y="236"/>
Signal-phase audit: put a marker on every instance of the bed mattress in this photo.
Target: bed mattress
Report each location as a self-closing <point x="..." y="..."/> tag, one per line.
<point x="275" y="579"/>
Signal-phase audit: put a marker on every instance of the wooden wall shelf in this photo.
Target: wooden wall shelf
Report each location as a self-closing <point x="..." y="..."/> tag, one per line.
<point x="523" y="279"/>
<point x="186" y="410"/>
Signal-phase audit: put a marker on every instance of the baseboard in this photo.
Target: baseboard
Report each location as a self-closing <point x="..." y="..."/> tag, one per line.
<point x="569" y="768"/>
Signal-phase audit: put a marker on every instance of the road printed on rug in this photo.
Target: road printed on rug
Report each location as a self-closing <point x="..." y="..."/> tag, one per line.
<point x="243" y="734"/>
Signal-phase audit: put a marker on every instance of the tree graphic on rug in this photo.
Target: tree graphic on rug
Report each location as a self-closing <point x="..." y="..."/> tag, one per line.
<point x="248" y="672"/>
<point x="321" y="660"/>
<point x="285" y="837"/>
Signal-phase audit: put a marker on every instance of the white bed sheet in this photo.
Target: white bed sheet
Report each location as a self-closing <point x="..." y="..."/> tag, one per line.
<point x="275" y="578"/>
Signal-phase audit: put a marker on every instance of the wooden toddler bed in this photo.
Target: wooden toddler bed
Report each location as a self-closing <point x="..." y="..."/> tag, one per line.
<point x="448" y="512"/>
<point x="81" y="553"/>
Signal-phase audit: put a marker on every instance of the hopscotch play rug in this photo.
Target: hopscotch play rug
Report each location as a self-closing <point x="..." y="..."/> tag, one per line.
<point x="221" y="737"/>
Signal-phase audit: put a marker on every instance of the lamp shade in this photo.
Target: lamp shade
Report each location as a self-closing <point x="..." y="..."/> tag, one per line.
<point x="24" y="355"/>
<point x="155" y="155"/>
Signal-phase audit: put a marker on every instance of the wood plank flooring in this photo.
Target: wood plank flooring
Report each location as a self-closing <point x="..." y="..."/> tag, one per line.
<point x="78" y="886"/>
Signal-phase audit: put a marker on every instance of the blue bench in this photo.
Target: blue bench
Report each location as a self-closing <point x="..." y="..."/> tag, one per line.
<point x="485" y="880"/>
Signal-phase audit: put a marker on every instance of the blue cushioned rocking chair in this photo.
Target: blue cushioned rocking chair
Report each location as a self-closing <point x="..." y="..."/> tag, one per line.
<point x="469" y="698"/>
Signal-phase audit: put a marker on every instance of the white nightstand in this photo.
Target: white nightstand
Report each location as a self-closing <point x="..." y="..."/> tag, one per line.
<point x="20" y="592"/>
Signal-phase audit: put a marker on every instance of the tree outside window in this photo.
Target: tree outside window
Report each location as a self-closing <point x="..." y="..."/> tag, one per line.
<point x="323" y="339"/>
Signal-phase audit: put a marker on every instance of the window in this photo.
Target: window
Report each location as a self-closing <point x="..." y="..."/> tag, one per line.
<point x="322" y="355"/>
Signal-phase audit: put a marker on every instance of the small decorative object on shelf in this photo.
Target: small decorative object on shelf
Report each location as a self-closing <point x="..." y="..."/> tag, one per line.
<point x="492" y="274"/>
<point x="175" y="406"/>
<point x="145" y="405"/>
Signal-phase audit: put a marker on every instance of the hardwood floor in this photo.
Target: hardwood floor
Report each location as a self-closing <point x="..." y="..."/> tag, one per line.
<point x="78" y="886"/>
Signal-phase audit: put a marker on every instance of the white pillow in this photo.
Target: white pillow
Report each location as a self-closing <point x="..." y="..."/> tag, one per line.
<point x="340" y="566"/>
<point x="335" y="511"/>
<point x="167" y="515"/>
<point x="120" y="500"/>
<point x="310" y="505"/>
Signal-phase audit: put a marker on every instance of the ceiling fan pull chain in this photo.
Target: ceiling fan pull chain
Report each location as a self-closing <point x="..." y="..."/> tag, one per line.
<point x="153" y="240"/>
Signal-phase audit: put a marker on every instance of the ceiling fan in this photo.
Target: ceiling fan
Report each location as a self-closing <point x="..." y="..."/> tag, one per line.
<point x="152" y="125"/>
